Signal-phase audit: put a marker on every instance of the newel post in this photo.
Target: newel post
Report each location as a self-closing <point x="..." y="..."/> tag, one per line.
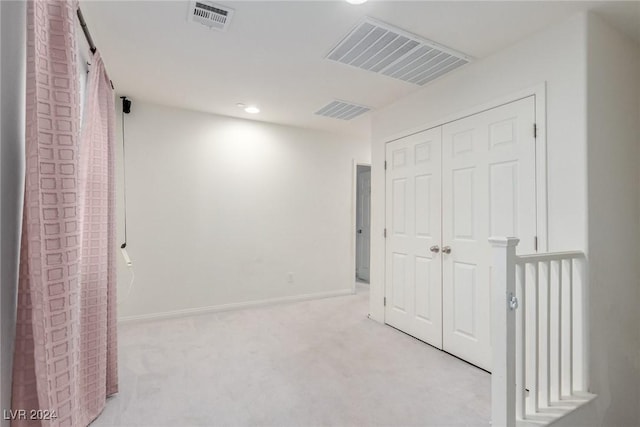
<point x="503" y="331"/>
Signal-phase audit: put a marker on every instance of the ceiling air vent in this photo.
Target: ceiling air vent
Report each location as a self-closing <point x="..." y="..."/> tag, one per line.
<point x="384" y="49"/>
<point x="210" y="14"/>
<point x="342" y="110"/>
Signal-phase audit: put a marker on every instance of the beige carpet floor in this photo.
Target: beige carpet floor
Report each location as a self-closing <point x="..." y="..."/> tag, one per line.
<point x="313" y="363"/>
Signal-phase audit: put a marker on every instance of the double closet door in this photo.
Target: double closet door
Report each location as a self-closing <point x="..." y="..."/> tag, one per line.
<point x="448" y="189"/>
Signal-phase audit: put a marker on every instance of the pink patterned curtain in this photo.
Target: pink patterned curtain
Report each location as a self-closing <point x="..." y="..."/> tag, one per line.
<point x="97" y="206"/>
<point x="65" y="348"/>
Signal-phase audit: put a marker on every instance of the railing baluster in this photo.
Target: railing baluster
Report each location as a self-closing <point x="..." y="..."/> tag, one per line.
<point x="570" y="326"/>
<point x="544" y="331"/>
<point x="535" y="365"/>
<point x="582" y="324"/>
<point x="521" y="348"/>
<point x="548" y="336"/>
<point x="560" y="329"/>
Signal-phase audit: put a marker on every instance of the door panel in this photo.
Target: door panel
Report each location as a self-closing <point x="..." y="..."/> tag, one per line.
<point x="488" y="186"/>
<point x="363" y="224"/>
<point x="413" y="217"/>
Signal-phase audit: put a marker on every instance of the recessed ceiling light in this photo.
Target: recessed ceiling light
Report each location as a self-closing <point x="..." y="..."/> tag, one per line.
<point x="356" y="1"/>
<point x="252" y="109"/>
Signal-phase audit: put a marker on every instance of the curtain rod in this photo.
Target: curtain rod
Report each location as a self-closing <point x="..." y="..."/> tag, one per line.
<point x="86" y="32"/>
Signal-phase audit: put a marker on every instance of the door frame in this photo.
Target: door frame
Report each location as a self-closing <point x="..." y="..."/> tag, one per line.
<point x="354" y="221"/>
<point x="539" y="92"/>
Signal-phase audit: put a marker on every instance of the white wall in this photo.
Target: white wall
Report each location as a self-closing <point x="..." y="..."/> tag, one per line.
<point x="221" y="209"/>
<point x="12" y="93"/>
<point x="557" y="56"/>
<point x="613" y="108"/>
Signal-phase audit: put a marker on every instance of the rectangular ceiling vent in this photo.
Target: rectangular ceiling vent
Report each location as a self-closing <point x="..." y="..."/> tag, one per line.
<point x="381" y="48"/>
<point x="210" y="14"/>
<point x="342" y="110"/>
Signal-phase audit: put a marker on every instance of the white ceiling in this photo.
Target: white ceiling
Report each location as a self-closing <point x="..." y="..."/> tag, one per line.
<point x="273" y="53"/>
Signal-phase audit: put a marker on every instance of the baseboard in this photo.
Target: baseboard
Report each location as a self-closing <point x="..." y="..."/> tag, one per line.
<point x="233" y="306"/>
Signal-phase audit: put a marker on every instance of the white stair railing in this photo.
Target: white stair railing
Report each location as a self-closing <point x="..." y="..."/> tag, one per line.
<point x="538" y="334"/>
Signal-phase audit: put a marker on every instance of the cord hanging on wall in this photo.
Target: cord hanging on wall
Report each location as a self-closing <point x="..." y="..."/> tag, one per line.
<point x="126" y="109"/>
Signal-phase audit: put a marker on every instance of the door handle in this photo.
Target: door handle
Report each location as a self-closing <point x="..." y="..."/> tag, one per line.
<point x="446" y="249"/>
<point x="435" y="249"/>
<point x="360" y="231"/>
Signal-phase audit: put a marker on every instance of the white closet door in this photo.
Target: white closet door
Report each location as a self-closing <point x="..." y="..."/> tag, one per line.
<point x="488" y="185"/>
<point x="413" y="217"/>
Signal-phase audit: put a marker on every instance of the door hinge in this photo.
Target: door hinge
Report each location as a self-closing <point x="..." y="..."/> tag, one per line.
<point x="384" y="233"/>
<point x="535" y="130"/>
<point x="385" y="301"/>
<point x="385" y="165"/>
<point x="535" y="243"/>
